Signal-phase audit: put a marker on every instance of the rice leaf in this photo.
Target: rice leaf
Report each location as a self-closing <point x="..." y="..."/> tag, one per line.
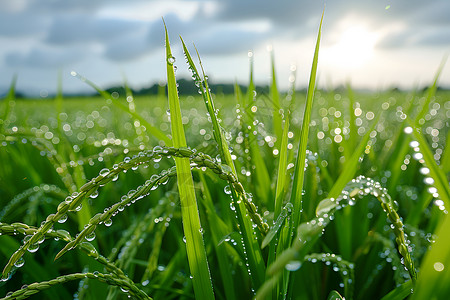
<point x="431" y="93"/>
<point x="276" y="120"/>
<point x="434" y="273"/>
<point x="277" y="225"/>
<point x="196" y="252"/>
<point x="217" y="230"/>
<point x="9" y="100"/>
<point x="439" y="176"/>
<point x="401" y="292"/>
<point x="254" y="256"/>
<point x="334" y="295"/>
<point x="296" y="198"/>
<point x="445" y="159"/>
<point x="352" y="164"/>
<point x="282" y="177"/>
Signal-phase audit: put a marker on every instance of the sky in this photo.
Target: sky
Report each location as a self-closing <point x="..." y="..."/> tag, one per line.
<point x="375" y="44"/>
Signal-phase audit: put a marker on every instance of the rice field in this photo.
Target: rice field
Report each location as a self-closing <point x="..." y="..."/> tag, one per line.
<point x="328" y="194"/>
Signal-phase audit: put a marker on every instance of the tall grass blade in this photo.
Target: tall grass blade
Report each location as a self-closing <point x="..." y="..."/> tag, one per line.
<point x="351" y="165"/>
<point x="296" y="198"/>
<point x="254" y="256"/>
<point x="276" y="103"/>
<point x="334" y="295"/>
<point x="282" y="176"/>
<point x="439" y="176"/>
<point x="351" y="144"/>
<point x="277" y="225"/>
<point x="9" y="102"/>
<point x="431" y="93"/>
<point x="434" y="276"/>
<point x="401" y="292"/>
<point x="196" y="252"/>
<point x="260" y="173"/>
<point x="217" y="227"/>
<point x="445" y="158"/>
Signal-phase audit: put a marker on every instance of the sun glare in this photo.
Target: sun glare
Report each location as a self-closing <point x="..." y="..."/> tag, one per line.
<point x="353" y="49"/>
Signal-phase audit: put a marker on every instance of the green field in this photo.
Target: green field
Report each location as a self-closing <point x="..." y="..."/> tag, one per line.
<point x="318" y="195"/>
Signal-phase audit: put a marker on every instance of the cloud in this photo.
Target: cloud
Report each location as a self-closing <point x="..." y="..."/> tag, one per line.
<point x="79" y="28"/>
<point x="47" y="34"/>
<point x="228" y="40"/>
<point x="21" y="24"/>
<point x="43" y="57"/>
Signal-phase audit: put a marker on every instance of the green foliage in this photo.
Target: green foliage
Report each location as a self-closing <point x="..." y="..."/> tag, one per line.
<point x="323" y="195"/>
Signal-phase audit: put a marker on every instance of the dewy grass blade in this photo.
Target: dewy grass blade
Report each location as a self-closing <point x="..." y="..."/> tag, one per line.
<point x="282" y="178"/>
<point x="431" y="93"/>
<point x="218" y="230"/>
<point x="445" y="158"/>
<point x="8" y="102"/>
<point x="440" y="178"/>
<point x="276" y="103"/>
<point x="296" y="198"/>
<point x="204" y="90"/>
<point x="260" y="172"/>
<point x="400" y="292"/>
<point x="195" y="247"/>
<point x="254" y="256"/>
<point x="434" y="273"/>
<point x="351" y="165"/>
<point x="353" y="130"/>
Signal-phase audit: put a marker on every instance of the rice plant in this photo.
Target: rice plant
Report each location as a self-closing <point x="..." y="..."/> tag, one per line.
<point x="322" y="195"/>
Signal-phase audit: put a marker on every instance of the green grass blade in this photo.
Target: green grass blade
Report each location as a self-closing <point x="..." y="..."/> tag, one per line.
<point x="9" y="101"/>
<point x="260" y="173"/>
<point x="196" y="252"/>
<point x="445" y="160"/>
<point x="254" y="256"/>
<point x="351" y="165"/>
<point x="334" y="295"/>
<point x="282" y="177"/>
<point x="401" y="292"/>
<point x="206" y="94"/>
<point x="352" y="142"/>
<point x="296" y="198"/>
<point x="434" y="273"/>
<point x="431" y="93"/>
<point x="217" y="227"/>
<point x="276" y="103"/>
<point x="440" y="178"/>
<point x="59" y="101"/>
<point x="277" y="225"/>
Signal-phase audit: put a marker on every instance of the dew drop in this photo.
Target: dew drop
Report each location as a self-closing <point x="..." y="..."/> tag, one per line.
<point x="293" y="265"/>
<point x="20" y="262"/>
<point x="171" y="60"/>
<point x="90" y="237"/>
<point x="33" y="248"/>
<point x="108" y="222"/>
<point x="94" y="195"/>
<point x="227" y="190"/>
<point x="104" y="172"/>
<point x="62" y="219"/>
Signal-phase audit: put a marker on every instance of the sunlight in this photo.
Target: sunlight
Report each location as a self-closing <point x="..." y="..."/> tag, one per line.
<point x="353" y="49"/>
